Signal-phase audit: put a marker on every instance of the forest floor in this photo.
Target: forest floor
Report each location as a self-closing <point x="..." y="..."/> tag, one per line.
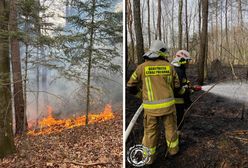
<point x="214" y="135"/>
<point x="98" y="145"/>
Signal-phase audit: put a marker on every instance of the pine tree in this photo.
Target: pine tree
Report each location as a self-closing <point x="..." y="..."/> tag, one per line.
<point x="95" y="31"/>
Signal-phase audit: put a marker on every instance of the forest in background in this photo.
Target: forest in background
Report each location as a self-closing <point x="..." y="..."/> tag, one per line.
<point x="212" y="30"/>
<point x="63" y="57"/>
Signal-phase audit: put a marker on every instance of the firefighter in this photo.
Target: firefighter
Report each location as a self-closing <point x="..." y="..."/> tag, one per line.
<point x="182" y="97"/>
<point x="157" y="79"/>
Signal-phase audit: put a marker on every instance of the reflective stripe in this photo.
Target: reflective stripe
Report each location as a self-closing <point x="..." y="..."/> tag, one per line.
<point x="149" y="89"/>
<point x="182" y="91"/>
<point x="172" y="144"/>
<point x="151" y="151"/>
<point x="150" y="84"/>
<point x="182" y="62"/>
<point x="179" y="101"/>
<point x="169" y="79"/>
<point x="184" y="80"/>
<point x="162" y="54"/>
<point x="134" y="76"/>
<point x="157" y="101"/>
<point x="158" y="104"/>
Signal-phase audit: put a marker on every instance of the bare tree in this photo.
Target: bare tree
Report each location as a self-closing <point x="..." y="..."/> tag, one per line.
<point x="180" y="24"/>
<point x="240" y="14"/>
<point x="130" y="30"/>
<point x="154" y="20"/>
<point x="148" y="23"/>
<point x="203" y="43"/>
<point x="159" y="20"/>
<point x="138" y="31"/>
<point x="226" y="22"/>
<point x="186" y="25"/>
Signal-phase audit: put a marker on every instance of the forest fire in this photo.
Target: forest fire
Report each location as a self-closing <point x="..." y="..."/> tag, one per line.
<point x="51" y="125"/>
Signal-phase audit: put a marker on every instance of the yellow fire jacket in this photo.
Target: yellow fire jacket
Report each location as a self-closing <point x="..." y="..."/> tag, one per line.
<point x="158" y="79"/>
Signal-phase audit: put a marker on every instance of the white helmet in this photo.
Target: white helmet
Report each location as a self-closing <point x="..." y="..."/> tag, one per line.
<point x="183" y="54"/>
<point x="182" y="57"/>
<point x="156" y="50"/>
<point x="157" y="45"/>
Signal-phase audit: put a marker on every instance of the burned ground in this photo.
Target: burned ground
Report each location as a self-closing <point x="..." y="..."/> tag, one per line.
<point x="215" y="132"/>
<point x="98" y="145"/>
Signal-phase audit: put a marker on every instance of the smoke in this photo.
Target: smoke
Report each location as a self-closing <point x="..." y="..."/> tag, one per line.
<point x="234" y="90"/>
<point x="68" y="98"/>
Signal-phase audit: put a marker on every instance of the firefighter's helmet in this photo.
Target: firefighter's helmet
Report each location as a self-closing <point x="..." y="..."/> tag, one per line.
<point x="183" y="54"/>
<point x="157" y="49"/>
<point x="182" y="57"/>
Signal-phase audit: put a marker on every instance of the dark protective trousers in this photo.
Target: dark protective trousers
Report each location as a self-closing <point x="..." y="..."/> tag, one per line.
<point x="180" y="112"/>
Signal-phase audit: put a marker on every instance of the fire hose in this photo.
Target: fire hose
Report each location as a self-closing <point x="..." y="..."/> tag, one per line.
<point x="137" y="113"/>
<point x="133" y="121"/>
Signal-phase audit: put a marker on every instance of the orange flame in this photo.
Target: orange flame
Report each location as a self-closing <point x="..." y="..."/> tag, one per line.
<point x="51" y="125"/>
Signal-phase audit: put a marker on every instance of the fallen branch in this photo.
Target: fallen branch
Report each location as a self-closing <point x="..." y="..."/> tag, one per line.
<point x="238" y="132"/>
<point x="86" y="164"/>
<point x="244" y="140"/>
<point x="32" y="165"/>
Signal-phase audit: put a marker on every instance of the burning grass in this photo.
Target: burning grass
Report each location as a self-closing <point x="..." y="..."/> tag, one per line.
<point x="50" y="125"/>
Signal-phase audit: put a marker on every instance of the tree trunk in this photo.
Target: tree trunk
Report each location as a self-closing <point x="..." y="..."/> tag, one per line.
<point x="159" y="20"/>
<point x="21" y="124"/>
<point x="6" y="133"/>
<point x="186" y="25"/>
<point x="38" y="29"/>
<point x="148" y="22"/>
<point x="203" y="43"/>
<point x="226" y="23"/>
<point x="138" y="31"/>
<point x="130" y="30"/>
<point x="26" y="43"/>
<point x="44" y="79"/>
<point x="25" y="78"/>
<point x="240" y="14"/>
<point x="199" y="16"/>
<point x="221" y="32"/>
<point x="180" y="25"/>
<point x="142" y="14"/>
<point x="199" y="28"/>
<point x="216" y="30"/>
<point x="172" y="25"/>
<point x="164" y="30"/>
<point x="37" y="87"/>
<point x="90" y="60"/>
<point x="154" y="21"/>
